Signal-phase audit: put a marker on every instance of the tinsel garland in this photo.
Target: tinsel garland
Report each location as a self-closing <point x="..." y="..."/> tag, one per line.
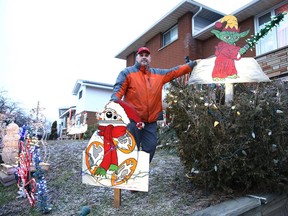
<point x="23" y="132"/>
<point x="275" y="20"/>
<point x="41" y="192"/>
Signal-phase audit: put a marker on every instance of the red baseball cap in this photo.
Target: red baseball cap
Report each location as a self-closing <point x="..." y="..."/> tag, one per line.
<point x="143" y="49"/>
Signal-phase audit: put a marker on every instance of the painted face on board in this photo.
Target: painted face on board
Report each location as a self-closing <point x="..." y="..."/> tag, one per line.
<point x="229" y="37"/>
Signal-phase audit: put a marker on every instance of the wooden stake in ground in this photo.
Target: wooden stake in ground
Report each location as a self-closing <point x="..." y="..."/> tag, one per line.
<point x="117" y="197"/>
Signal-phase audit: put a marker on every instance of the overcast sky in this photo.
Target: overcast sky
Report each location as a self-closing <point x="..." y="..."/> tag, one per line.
<point x="46" y="45"/>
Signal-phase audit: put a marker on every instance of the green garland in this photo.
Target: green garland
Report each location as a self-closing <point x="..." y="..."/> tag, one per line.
<point x="275" y="20"/>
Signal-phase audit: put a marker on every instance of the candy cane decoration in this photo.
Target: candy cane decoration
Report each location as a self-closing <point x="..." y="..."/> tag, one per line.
<point x="26" y="187"/>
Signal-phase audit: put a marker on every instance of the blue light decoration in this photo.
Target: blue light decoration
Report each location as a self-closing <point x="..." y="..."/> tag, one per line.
<point x="23" y="132"/>
<point x="41" y="192"/>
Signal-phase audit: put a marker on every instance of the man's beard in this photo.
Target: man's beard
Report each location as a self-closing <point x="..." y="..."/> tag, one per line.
<point x="144" y="62"/>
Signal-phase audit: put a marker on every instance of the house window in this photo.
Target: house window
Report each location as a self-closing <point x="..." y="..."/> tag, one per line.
<point x="78" y="120"/>
<point x="80" y="95"/>
<point x="278" y="36"/>
<point x="170" y="36"/>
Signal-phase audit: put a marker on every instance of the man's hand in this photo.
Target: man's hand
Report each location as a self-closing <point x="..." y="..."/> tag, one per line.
<point x="140" y="125"/>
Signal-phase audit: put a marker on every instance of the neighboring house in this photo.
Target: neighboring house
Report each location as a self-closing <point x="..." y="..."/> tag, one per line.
<point x="91" y="99"/>
<point x="65" y="116"/>
<point x="186" y="31"/>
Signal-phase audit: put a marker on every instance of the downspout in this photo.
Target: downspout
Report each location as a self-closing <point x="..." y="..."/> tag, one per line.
<point x="193" y="53"/>
<point x="193" y="17"/>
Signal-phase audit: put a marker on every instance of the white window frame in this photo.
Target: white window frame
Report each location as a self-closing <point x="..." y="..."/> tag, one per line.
<point x="80" y="94"/>
<point x="172" y="35"/>
<point x="273" y="33"/>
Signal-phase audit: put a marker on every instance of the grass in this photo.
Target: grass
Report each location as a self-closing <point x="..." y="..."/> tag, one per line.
<point x="170" y="192"/>
<point x="5" y="194"/>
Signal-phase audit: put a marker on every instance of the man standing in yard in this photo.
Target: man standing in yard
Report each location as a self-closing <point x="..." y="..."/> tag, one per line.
<point x="141" y="87"/>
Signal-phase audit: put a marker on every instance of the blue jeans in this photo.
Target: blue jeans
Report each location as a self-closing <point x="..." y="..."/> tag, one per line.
<point x="145" y="138"/>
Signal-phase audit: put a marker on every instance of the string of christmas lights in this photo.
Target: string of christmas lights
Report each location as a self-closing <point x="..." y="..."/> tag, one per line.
<point x="246" y="139"/>
<point x="41" y="193"/>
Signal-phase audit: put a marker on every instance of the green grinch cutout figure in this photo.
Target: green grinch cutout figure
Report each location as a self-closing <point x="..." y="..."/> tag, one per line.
<point x="226" y="51"/>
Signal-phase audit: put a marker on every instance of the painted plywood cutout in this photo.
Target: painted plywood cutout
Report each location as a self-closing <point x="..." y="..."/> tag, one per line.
<point x="228" y="66"/>
<point x="248" y="70"/>
<point x="111" y="158"/>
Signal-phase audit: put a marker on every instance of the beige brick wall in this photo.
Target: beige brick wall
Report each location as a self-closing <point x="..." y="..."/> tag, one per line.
<point x="275" y="64"/>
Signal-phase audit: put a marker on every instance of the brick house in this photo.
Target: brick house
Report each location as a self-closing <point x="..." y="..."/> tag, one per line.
<point x="186" y="31"/>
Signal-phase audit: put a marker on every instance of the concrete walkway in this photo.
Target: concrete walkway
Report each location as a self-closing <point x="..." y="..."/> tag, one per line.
<point x="251" y="205"/>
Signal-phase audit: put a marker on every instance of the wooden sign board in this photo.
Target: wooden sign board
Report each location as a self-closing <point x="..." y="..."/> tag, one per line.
<point x="132" y="172"/>
<point x="248" y="70"/>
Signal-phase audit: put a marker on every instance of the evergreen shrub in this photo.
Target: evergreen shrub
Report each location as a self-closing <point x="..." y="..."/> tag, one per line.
<point x="241" y="146"/>
<point x="90" y="130"/>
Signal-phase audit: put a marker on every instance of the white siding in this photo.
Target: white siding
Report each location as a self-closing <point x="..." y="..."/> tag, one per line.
<point x="80" y="106"/>
<point x="93" y="99"/>
<point x="200" y="23"/>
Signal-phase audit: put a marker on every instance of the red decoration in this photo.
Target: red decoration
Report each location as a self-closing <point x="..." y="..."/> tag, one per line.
<point x="27" y="186"/>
